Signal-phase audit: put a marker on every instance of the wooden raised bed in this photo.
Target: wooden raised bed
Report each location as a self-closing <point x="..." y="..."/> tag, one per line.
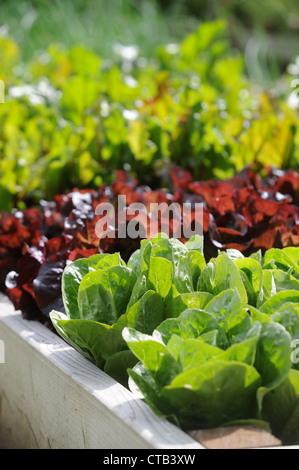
<point x="52" y="397"/>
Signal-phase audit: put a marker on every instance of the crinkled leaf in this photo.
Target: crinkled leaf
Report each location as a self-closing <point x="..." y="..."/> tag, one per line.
<point x="221" y="274"/>
<point x="160" y="275"/>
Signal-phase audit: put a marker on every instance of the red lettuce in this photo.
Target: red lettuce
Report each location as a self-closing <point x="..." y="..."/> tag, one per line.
<point x="246" y="212"/>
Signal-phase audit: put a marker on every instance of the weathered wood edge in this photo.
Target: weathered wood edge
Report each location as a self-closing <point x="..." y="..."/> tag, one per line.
<point x="39" y="364"/>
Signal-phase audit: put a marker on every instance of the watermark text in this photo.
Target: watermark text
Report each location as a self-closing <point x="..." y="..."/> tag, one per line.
<point x="137" y="220"/>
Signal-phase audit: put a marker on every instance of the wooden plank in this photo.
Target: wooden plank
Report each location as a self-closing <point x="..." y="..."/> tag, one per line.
<point x="52" y="397"/>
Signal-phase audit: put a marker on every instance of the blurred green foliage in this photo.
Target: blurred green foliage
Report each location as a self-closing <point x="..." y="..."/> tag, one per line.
<point x="266" y="32"/>
<point x="94" y="24"/>
<point x="72" y="117"/>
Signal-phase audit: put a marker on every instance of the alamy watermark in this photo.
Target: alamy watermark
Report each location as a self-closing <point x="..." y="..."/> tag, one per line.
<point x="2" y="92"/>
<point x="2" y="352"/>
<point x="137" y="220"/>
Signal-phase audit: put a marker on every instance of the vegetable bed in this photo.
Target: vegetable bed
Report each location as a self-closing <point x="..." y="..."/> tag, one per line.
<point x="195" y="334"/>
<point x="204" y="344"/>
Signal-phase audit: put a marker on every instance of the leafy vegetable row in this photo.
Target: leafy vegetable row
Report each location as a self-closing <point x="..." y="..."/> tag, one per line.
<point x="246" y="212"/>
<point x="71" y="118"/>
<point x="204" y="344"/>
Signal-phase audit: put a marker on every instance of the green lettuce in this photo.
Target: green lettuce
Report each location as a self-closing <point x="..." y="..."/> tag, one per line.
<point x="204" y="343"/>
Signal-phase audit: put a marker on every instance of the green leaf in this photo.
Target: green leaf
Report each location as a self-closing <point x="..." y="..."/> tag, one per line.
<point x="257" y="255"/>
<point x="79" y="93"/>
<point x="273" y="359"/>
<point x="176" y="303"/>
<point x="71" y="279"/>
<point x="241" y="352"/>
<point x="145" y="314"/>
<point x="104" y="294"/>
<point x="256" y="315"/>
<point x="155" y="356"/>
<point x="158" y="237"/>
<point x="139" y="260"/>
<point x="215" y="338"/>
<point x="112" y="342"/>
<point x="221" y="274"/>
<point x="107" y="260"/>
<point x="234" y="254"/>
<point x="188" y="270"/>
<point x="171" y="249"/>
<point x="288" y="316"/>
<point x="192" y="352"/>
<point x="294" y="379"/>
<point x="290" y="434"/>
<point x="134" y="261"/>
<point x="273" y="355"/>
<point x="268" y="288"/>
<point x="282" y="261"/>
<point x="227" y="306"/>
<point x="285" y="280"/>
<point x="143" y="386"/>
<point x="192" y="323"/>
<point x="117" y="364"/>
<point x="160" y="275"/>
<point x="279" y="405"/>
<point x="278" y="300"/>
<point x="276" y="280"/>
<point x="84" y="335"/>
<point x="174" y="344"/>
<point x="195" y="243"/>
<point x="293" y="253"/>
<point x="254" y="273"/>
<point x="140" y="288"/>
<point x="213" y="393"/>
